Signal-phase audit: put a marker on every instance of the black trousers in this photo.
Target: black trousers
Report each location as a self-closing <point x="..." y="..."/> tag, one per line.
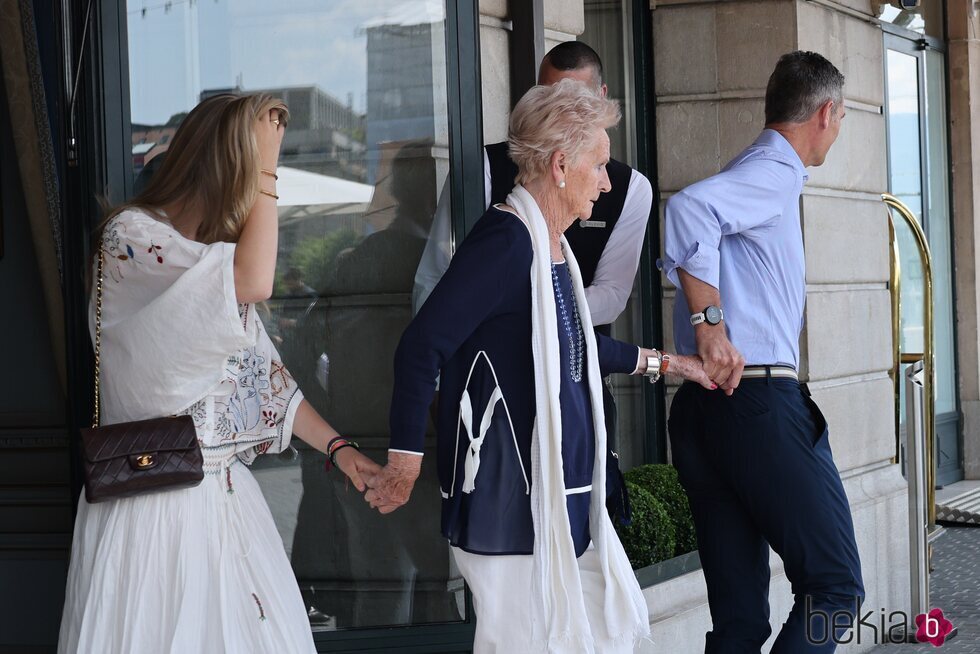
<point x="759" y="472"/>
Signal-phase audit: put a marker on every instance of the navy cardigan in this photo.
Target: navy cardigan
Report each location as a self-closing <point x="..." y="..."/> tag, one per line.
<point x="474" y="333"/>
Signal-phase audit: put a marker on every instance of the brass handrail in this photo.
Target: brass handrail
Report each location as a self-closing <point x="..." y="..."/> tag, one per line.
<point x="928" y="357"/>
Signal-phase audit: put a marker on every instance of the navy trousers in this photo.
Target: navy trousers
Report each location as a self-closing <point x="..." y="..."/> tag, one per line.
<point x="759" y="472"/>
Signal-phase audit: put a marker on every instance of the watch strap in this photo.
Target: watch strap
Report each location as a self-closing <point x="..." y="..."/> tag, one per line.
<point x="698" y="318"/>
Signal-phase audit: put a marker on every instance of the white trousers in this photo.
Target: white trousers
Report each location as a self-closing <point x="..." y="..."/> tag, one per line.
<point x="501" y="587"/>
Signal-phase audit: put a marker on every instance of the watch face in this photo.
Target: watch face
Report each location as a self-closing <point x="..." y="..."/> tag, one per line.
<point x="713" y="315"/>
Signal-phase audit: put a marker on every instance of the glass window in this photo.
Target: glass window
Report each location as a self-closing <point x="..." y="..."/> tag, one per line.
<point x="607" y="26"/>
<point x="926" y="19"/>
<point x="919" y="177"/>
<point x="608" y="30"/>
<point x="938" y="229"/>
<point x="905" y="165"/>
<point x="363" y="162"/>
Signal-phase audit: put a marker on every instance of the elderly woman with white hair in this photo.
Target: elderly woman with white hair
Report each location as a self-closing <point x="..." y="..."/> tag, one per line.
<point x="521" y="442"/>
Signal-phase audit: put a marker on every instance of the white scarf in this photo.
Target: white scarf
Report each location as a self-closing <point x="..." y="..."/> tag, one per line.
<point x="558" y="615"/>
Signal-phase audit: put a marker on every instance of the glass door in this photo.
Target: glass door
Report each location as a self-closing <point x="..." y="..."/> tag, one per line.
<point x="610" y="29"/>
<point x="363" y="162"/>
<point x="918" y="159"/>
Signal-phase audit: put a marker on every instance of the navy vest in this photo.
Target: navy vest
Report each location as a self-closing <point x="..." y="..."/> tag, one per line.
<point x="586" y="242"/>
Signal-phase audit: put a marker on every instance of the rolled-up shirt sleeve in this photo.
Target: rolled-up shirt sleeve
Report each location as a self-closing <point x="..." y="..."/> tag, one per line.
<point x="691" y="239"/>
<point x="746" y="198"/>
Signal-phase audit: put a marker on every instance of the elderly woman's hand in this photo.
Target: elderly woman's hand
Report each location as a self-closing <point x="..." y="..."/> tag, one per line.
<point x="392" y="486"/>
<point x="691" y="369"/>
<point x="686" y="367"/>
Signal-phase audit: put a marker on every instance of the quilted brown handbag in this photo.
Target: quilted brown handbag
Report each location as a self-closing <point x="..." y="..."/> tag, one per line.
<point x="132" y="458"/>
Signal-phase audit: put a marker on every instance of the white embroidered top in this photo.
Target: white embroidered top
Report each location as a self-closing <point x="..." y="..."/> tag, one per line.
<point x="175" y="341"/>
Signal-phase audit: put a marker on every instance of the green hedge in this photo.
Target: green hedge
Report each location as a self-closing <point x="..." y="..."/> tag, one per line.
<point x="661" y="481"/>
<point x="649" y="538"/>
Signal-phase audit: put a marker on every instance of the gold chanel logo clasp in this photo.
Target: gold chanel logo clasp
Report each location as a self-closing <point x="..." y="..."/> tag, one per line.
<point x="144" y="460"/>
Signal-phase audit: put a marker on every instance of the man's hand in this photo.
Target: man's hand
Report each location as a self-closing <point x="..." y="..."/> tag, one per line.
<point x="722" y="362"/>
<point x="392" y="486"/>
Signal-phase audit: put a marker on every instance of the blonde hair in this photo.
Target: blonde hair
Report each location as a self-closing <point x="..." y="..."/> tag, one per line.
<point x="561" y="117"/>
<point x="212" y="164"/>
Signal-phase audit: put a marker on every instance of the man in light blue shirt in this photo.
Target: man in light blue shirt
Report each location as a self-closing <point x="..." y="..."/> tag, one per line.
<point x="739" y="232"/>
<point x="754" y="455"/>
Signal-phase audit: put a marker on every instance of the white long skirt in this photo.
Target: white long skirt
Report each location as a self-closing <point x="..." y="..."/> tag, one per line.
<point x="194" y="570"/>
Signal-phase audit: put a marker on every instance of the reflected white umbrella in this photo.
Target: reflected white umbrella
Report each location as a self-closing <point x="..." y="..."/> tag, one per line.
<point x="303" y="194"/>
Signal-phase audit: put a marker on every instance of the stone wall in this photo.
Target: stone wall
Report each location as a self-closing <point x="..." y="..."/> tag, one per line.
<point x="563" y="21"/>
<point x="964" y="107"/>
<point x="495" y="28"/>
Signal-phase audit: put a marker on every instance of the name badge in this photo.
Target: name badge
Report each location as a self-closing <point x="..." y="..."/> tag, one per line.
<point x="592" y="223"/>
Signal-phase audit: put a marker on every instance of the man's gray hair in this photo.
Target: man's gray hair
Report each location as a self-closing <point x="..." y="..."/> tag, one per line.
<point x="800" y="84"/>
<point x="561" y="117"/>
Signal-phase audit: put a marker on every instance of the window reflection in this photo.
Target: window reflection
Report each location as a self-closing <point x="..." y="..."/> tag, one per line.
<point x="362" y="164"/>
<point x="925" y="19"/>
<point x="905" y="182"/>
<point x="606" y="24"/>
<point x="940" y="229"/>
<point x="915" y="144"/>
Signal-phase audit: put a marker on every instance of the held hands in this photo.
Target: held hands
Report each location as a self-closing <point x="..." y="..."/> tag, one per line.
<point x="691" y="369"/>
<point x="392" y="486"/>
<point x="681" y="365"/>
<point x="722" y="362"/>
<point x="356" y="466"/>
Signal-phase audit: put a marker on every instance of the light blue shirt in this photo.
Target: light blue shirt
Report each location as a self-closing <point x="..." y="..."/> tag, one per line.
<point x="740" y="232"/>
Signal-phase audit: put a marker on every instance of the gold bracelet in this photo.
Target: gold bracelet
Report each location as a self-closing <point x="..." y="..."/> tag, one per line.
<point x="269" y="193"/>
<point x="269" y="173"/>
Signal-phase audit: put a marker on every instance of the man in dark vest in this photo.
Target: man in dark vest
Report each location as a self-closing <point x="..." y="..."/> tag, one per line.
<point x="607" y="246"/>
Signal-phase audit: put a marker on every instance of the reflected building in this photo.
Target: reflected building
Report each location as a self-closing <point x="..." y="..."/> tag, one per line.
<point x="325" y="135"/>
<point x="151" y="140"/>
<point x="402" y="100"/>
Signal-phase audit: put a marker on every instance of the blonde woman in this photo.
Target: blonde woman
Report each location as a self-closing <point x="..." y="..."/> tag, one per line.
<point x="201" y="569"/>
<point x="521" y="436"/>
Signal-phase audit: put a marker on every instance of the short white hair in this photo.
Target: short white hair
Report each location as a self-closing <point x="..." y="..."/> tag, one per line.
<point x="563" y="116"/>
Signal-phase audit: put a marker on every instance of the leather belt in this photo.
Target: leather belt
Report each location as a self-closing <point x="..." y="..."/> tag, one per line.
<point x="756" y="372"/>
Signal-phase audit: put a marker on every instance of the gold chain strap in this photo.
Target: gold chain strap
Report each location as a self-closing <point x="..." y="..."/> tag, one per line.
<point x="98" y="335"/>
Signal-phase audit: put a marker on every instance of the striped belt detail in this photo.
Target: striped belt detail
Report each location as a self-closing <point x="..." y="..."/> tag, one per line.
<point x="755" y="372"/>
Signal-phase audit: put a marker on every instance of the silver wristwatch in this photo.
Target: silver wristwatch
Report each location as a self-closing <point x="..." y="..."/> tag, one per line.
<point x="711" y="315"/>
